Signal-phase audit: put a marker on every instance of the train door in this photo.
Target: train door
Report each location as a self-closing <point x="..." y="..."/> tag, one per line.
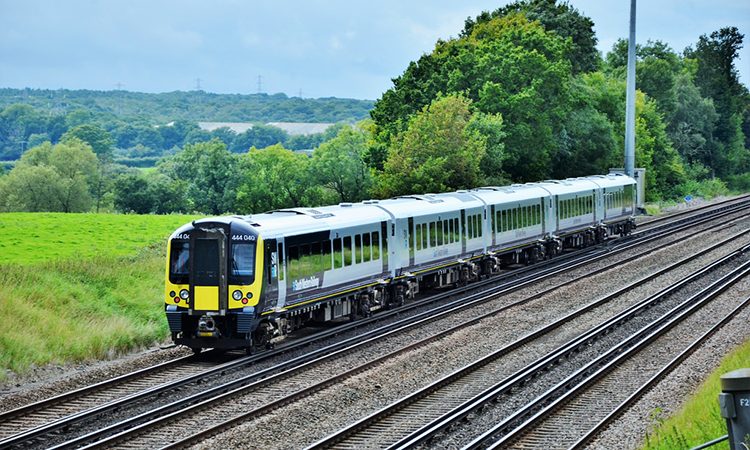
<point x="208" y="268"/>
<point x="274" y="270"/>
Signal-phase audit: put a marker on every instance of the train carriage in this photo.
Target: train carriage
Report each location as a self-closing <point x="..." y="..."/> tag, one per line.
<point x="239" y="281"/>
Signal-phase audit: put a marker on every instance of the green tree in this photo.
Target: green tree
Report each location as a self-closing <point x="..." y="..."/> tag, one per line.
<point x="437" y="152"/>
<point x="52" y="178"/>
<point x="169" y="195"/>
<point x="132" y="193"/>
<point x="211" y="173"/>
<point x="275" y="178"/>
<point x="508" y="66"/>
<point x="339" y="165"/>
<point x="97" y="137"/>
<point x="560" y="18"/>
<point x="717" y="78"/>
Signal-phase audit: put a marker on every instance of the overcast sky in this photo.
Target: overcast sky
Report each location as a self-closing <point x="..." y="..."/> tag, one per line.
<point x="341" y="48"/>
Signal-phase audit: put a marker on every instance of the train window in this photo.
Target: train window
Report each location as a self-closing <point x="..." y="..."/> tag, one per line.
<point x="480" y="225"/>
<point x="424" y="235"/>
<point x="292" y="261"/>
<point x="358" y="248"/>
<point x="347" y="250"/>
<point x="418" y="234"/>
<point x="338" y="257"/>
<point x="439" y="229"/>
<point x="433" y="235"/>
<point x="468" y="227"/>
<point x="206" y="264"/>
<point x="446" y="233"/>
<point x="326" y="261"/>
<point x="280" y="263"/>
<point x="179" y="269"/>
<point x="366" y="250"/>
<point x="376" y="246"/>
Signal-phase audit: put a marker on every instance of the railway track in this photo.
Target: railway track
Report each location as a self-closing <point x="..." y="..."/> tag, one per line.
<point x="608" y="385"/>
<point x="54" y="422"/>
<point x="218" y="413"/>
<point x="419" y="417"/>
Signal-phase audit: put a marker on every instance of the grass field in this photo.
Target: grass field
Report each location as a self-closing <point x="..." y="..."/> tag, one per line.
<point x="27" y="238"/>
<point x="699" y="419"/>
<point x="80" y="286"/>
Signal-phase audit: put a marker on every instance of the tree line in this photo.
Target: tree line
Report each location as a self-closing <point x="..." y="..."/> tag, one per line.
<point x="520" y="95"/>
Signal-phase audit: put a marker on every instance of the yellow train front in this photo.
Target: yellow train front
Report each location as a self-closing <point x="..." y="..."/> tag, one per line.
<point x="214" y="281"/>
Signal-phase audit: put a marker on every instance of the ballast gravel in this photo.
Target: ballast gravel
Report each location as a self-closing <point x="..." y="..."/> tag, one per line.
<point x="317" y="416"/>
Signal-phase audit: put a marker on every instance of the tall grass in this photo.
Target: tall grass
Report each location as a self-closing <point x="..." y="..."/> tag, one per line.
<point x="80" y="309"/>
<point x="699" y="420"/>
<point x="80" y="286"/>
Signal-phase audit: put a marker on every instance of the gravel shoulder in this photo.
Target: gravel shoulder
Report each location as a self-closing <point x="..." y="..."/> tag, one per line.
<point x="39" y="383"/>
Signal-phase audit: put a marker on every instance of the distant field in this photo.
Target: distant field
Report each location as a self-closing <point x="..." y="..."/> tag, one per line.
<point x="28" y="238"/>
<point x="80" y="286"/>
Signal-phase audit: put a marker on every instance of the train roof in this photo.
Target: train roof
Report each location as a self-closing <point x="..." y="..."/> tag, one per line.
<point x="309" y="220"/>
<point x="494" y="195"/>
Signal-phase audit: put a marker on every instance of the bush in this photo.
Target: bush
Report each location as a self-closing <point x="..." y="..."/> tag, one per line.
<point x="706" y="189"/>
<point x="739" y="183"/>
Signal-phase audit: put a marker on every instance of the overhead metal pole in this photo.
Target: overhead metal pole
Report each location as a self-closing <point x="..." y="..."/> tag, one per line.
<point x="630" y="99"/>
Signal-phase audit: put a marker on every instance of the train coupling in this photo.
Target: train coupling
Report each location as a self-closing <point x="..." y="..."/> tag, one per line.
<point x="207" y="327"/>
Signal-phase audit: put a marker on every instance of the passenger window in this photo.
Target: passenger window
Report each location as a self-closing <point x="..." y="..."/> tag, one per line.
<point x="418" y="236"/>
<point x="424" y="235"/>
<point x="366" y="255"/>
<point x="292" y="262"/>
<point x="451" y="231"/>
<point x="376" y="245"/>
<point x="338" y="256"/>
<point x="358" y="249"/>
<point x="280" y="263"/>
<point x="446" y="234"/>
<point x="439" y="226"/>
<point x="433" y="235"/>
<point x="480" y="225"/>
<point x="348" y="251"/>
<point x="326" y="259"/>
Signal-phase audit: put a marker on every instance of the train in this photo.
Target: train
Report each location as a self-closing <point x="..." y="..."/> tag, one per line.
<point x="241" y="282"/>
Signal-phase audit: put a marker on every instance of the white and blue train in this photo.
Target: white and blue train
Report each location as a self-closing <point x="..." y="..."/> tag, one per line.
<point x="238" y="281"/>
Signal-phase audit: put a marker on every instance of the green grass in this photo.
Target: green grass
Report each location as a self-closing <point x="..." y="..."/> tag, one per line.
<point x="27" y="238"/>
<point x="80" y="286"/>
<point x="699" y="420"/>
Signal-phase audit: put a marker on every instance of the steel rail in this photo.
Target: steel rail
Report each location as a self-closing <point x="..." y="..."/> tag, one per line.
<point x="591" y="373"/>
<point x="24" y="437"/>
<point x="521" y="376"/>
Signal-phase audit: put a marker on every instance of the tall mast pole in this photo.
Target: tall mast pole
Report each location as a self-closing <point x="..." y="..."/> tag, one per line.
<point x="630" y="99"/>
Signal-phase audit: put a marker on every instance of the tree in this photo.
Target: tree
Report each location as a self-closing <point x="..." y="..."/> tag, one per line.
<point x="132" y="193"/>
<point x="95" y="136"/>
<point x="560" y="18"/>
<point x="169" y="196"/>
<point x="52" y="178"/>
<point x="717" y="78"/>
<point x="339" y="165"/>
<point x="507" y="66"/>
<point x="211" y="173"/>
<point x="275" y="178"/>
<point x="437" y="152"/>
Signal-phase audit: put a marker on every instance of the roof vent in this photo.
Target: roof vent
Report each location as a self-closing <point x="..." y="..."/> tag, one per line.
<point x="462" y="191"/>
<point x="345" y="205"/>
<point x="371" y="202"/>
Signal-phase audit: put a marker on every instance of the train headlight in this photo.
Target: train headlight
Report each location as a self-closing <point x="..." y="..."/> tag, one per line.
<point x="184" y="294"/>
<point x="237" y="295"/>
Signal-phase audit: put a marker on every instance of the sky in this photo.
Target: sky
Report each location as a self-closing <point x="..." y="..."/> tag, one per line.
<point x="316" y="48"/>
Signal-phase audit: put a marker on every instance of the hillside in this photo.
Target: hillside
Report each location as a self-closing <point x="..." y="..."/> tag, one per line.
<point x="192" y="106"/>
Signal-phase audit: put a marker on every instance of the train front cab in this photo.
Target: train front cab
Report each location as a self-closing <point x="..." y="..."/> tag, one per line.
<point x="214" y="281"/>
